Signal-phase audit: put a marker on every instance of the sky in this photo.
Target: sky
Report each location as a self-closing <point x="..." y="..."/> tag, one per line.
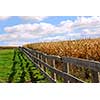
<point x="19" y="30"/>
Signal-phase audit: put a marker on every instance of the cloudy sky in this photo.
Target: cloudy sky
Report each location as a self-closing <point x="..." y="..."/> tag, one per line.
<point x="19" y="30"/>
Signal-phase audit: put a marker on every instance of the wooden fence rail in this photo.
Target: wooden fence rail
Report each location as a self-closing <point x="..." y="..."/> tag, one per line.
<point x="47" y="65"/>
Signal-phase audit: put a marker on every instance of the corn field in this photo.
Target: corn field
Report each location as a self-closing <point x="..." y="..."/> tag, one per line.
<point x="85" y="49"/>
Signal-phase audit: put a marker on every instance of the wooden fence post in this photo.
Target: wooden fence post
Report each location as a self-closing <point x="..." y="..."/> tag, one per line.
<point x="42" y="66"/>
<point x="66" y="70"/>
<point x="39" y="59"/>
<point x="99" y="76"/>
<point x="37" y="56"/>
<point x="45" y="60"/>
<point x="95" y="78"/>
<point x="53" y="75"/>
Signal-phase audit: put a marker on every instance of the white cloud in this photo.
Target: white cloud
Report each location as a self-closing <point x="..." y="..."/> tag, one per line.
<point x="4" y="17"/>
<point x="34" y="18"/>
<point x="40" y="29"/>
<point x="33" y="31"/>
<point x="17" y="37"/>
<point x="86" y="31"/>
<point x="22" y="28"/>
<point x="82" y="26"/>
<point x="66" y="26"/>
<point x="88" y="23"/>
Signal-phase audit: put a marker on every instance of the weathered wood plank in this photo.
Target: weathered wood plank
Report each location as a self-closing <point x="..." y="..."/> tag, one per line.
<point x="45" y="74"/>
<point x="44" y="59"/>
<point x="42" y="66"/>
<point x="39" y="62"/>
<point x="54" y="66"/>
<point x="66" y="70"/>
<point x="57" y="58"/>
<point x="94" y="65"/>
<point x="95" y="78"/>
<point x="37" y="55"/>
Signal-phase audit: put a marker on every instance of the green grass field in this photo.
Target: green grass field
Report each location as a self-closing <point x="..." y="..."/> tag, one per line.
<point x="6" y="56"/>
<point x="16" y="68"/>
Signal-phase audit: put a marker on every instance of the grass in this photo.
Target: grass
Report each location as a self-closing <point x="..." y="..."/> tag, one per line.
<point x="16" y="68"/>
<point x="5" y="63"/>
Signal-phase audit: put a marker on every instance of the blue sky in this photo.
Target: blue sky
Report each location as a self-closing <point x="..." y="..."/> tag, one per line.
<point x="19" y="30"/>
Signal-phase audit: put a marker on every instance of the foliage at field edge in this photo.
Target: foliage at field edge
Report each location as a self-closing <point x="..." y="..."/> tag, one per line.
<point x="7" y="47"/>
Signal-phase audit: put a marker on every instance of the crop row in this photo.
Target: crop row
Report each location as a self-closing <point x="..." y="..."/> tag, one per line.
<point x="23" y="70"/>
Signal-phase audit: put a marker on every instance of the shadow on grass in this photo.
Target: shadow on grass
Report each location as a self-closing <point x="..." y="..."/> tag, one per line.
<point x="13" y="70"/>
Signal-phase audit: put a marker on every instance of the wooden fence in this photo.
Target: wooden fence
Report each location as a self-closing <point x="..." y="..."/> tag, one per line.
<point x="48" y="66"/>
